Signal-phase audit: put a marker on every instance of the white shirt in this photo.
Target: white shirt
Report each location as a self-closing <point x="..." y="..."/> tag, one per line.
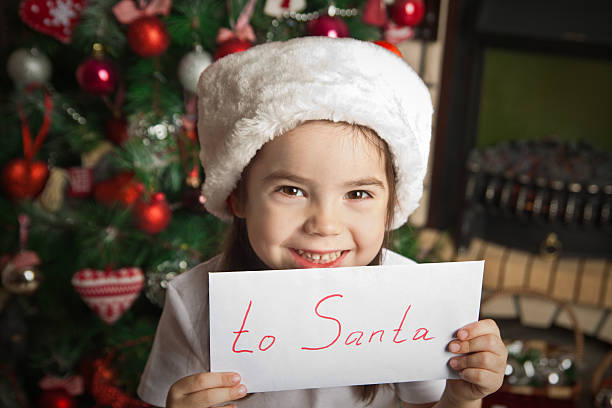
<point x="181" y="348"/>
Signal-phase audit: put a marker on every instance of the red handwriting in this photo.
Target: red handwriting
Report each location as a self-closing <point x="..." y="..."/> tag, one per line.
<point x="354" y="338"/>
<point x="239" y="332"/>
<point x="325" y="317"/>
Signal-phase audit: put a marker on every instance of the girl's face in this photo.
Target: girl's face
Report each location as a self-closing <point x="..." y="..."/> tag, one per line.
<point x="316" y="197"/>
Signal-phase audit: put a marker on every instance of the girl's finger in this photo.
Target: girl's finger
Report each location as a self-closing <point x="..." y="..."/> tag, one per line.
<point x="214" y="396"/>
<point x="484" y="360"/>
<point x="485" y="379"/>
<point x="203" y="381"/>
<point x="487" y="342"/>
<point x="477" y="329"/>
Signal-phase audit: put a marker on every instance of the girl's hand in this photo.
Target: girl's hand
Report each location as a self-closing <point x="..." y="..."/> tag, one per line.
<point x="205" y="390"/>
<point x="482" y="368"/>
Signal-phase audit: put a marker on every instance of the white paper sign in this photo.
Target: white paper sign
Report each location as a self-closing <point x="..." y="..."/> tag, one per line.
<point x="311" y="328"/>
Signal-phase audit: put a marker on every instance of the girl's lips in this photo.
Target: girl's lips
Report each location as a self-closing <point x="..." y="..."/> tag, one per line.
<point x="305" y="263"/>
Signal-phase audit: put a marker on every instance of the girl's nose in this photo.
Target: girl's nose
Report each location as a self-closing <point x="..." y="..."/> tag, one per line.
<point x="324" y="220"/>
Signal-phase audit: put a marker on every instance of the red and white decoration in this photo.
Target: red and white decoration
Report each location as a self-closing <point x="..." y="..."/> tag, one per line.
<point x="81" y="181"/>
<point x="110" y="293"/>
<point x="276" y="8"/>
<point x="56" y="18"/>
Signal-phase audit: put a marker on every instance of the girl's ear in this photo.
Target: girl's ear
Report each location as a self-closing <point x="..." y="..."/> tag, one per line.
<point x="236" y="207"/>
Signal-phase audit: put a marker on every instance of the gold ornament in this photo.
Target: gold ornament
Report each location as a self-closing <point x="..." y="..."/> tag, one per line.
<point x="22" y="280"/>
<point x="52" y="197"/>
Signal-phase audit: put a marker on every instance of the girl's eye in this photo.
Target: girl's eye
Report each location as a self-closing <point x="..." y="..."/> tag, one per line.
<point x="358" y="195"/>
<point x="291" y="191"/>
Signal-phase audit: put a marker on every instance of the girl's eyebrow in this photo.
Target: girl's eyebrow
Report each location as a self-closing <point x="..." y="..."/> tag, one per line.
<point x="283" y="174"/>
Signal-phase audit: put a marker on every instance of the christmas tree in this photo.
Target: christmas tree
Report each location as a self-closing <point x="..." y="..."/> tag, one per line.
<point x="100" y="205"/>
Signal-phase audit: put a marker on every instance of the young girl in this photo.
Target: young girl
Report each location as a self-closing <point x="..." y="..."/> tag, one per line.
<point x="314" y="149"/>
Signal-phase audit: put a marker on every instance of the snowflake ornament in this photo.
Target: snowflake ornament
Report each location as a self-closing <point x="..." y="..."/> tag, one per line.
<point x="56" y="18"/>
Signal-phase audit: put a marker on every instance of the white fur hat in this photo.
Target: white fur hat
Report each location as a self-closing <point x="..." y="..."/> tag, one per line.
<point x="248" y="98"/>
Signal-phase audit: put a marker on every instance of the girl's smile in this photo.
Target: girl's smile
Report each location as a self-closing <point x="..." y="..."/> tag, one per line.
<point x="318" y="259"/>
<point x="316" y="197"/>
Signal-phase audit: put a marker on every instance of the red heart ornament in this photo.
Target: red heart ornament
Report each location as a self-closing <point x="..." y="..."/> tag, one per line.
<point x="56" y="18"/>
<point x="109" y="293"/>
<point x="24" y="179"/>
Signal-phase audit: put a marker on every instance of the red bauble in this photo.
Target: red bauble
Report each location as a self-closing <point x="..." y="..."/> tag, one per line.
<point x="231" y="47"/>
<point x="153" y="216"/>
<point x="56" y="398"/>
<point x="116" y="130"/>
<point x="24" y="179"/>
<point x="97" y="75"/>
<point x="148" y="37"/>
<point x="327" y="26"/>
<point x="408" y="12"/>
<point x="390" y="47"/>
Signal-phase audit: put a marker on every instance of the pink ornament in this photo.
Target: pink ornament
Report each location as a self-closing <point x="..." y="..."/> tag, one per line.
<point x="327" y="26"/>
<point x="56" y="18"/>
<point x="110" y="293"/>
<point x="408" y="12"/>
<point x="97" y="75"/>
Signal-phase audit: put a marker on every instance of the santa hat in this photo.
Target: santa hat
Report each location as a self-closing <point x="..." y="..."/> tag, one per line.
<point x="249" y="98"/>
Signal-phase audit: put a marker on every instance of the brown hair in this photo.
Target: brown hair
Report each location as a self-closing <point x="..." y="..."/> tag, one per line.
<point x="238" y="255"/>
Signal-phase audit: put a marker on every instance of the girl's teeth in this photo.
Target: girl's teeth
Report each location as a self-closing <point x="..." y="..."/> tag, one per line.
<point x="318" y="258"/>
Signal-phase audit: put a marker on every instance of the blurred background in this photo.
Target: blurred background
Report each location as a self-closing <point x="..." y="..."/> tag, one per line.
<point x="100" y="204"/>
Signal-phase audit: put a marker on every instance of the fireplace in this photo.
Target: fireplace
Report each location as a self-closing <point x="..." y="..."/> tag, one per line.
<point x="523" y="142"/>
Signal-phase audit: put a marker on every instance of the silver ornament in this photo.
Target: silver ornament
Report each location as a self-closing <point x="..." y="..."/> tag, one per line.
<point x="26" y="66"/>
<point x="191" y="66"/>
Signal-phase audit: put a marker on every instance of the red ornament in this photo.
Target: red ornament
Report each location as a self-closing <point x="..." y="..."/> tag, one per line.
<point x="231" y="47"/>
<point x="116" y="130"/>
<point x="97" y="75"/>
<point x="109" y="293"/>
<point x="122" y="188"/>
<point x="153" y="216"/>
<point x="327" y="26"/>
<point x="390" y="47"/>
<point x="375" y="13"/>
<point x="56" y="18"/>
<point x="408" y="12"/>
<point x="22" y="178"/>
<point x="148" y="37"/>
<point x="56" y="398"/>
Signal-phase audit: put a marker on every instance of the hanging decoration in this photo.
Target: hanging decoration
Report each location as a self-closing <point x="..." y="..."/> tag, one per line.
<point x="241" y="36"/>
<point x="122" y="188"/>
<point x="191" y="66"/>
<point x="328" y="26"/>
<point x="375" y="13"/>
<point x="109" y="293"/>
<point x="97" y="74"/>
<point x="81" y="181"/>
<point x="52" y="196"/>
<point x="60" y="392"/>
<point x="20" y="274"/>
<point x="27" y="66"/>
<point x="407" y="12"/>
<point x="126" y="11"/>
<point x="56" y="18"/>
<point x="280" y="8"/>
<point x="395" y="34"/>
<point x="148" y="37"/>
<point x="153" y="216"/>
<point x="24" y="178"/>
